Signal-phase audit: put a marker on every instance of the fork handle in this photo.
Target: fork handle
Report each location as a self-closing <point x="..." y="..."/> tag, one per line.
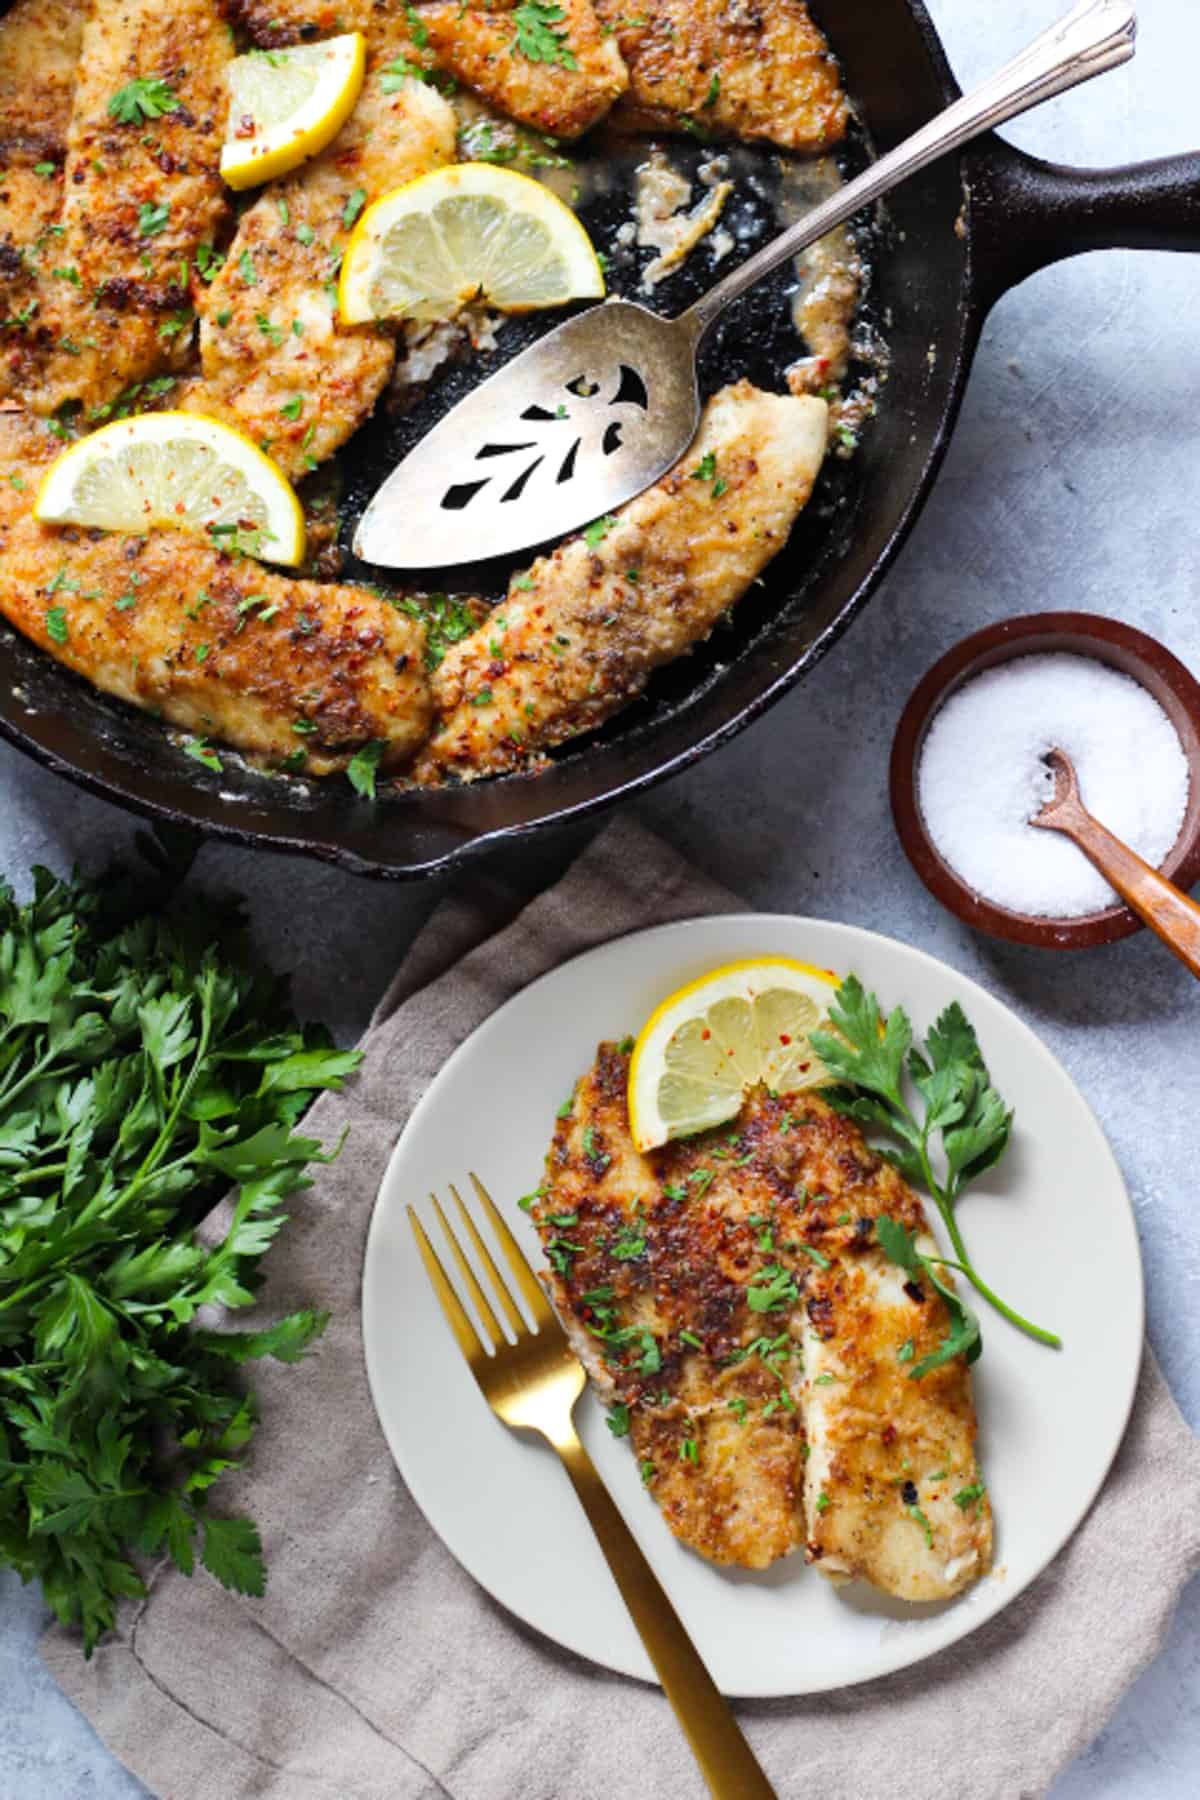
<point x="726" y="1760"/>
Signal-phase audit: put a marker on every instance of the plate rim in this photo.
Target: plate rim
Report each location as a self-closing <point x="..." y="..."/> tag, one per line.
<point x="574" y="1643"/>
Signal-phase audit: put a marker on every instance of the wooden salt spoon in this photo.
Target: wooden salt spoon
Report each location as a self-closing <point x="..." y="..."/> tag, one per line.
<point x="1165" y="908"/>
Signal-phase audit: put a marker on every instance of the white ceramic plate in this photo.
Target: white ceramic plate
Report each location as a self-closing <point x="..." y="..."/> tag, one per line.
<point x="1052" y="1230"/>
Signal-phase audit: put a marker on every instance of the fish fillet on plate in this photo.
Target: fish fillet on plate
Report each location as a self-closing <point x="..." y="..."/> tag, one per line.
<point x="741" y="68"/>
<point x="300" y="674"/>
<point x="275" y="359"/>
<point x="581" y="632"/>
<point x="732" y="1305"/>
<point x="141" y="194"/>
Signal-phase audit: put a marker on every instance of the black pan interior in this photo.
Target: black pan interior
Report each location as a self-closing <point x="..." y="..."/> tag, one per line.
<point x="895" y="72"/>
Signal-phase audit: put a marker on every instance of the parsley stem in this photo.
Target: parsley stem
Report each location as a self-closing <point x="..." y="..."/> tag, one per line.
<point x="964" y="1264"/>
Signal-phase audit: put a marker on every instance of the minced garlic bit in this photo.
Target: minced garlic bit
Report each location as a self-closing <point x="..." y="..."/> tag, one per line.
<point x="664" y="222"/>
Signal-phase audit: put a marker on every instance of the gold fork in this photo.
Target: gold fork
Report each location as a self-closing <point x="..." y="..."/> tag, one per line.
<point x="533" y="1385"/>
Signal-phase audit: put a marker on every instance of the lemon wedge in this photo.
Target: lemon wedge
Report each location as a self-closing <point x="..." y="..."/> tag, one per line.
<point x="285" y="105"/>
<point x="708" y="1044"/>
<point x="467" y="232"/>
<point x="178" y="471"/>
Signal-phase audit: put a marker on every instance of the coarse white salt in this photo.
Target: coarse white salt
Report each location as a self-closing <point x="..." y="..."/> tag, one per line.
<point x="981" y="778"/>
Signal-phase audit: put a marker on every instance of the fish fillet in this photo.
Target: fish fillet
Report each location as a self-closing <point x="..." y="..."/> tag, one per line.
<point x="140" y="197"/>
<point x="275" y="360"/>
<point x="299" y="674"/>
<point x="728" y="1291"/>
<point x="580" y="634"/>
<point x="480" y="46"/>
<point x="745" y="68"/>
<point x="39" y="48"/>
<point x="475" y="45"/>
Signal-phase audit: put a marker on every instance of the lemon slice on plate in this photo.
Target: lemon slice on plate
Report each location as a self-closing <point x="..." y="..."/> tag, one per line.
<point x="709" y="1043"/>
<point x="466" y="232"/>
<point x="178" y="471"/>
<point x="285" y="105"/>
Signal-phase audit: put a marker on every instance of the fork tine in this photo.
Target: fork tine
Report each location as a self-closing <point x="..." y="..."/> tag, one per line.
<point x="527" y="1281"/>
<point x="456" y="1315"/>
<point x="468" y="1274"/>
<point x="512" y="1311"/>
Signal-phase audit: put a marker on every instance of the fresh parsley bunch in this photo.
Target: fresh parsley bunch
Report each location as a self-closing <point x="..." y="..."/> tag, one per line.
<point x="143" y="1071"/>
<point x="871" y="1054"/>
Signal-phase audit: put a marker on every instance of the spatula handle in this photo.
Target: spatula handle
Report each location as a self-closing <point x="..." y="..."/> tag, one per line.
<point x="1165" y="908"/>
<point x="726" y="1760"/>
<point x="1095" y="36"/>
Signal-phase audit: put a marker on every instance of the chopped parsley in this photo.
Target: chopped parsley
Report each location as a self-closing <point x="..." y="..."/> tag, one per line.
<point x="907" y="1351"/>
<point x="56" y="624"/>
<point x="598" y="530"/>
<point x="291" y="409"/>
<point x="146" y="97"/>
<point x="969" y="1495"/>
<point x="153" y="216"/>
<point x="773" y="1287"/>
<point x="537" y="40"/>
<point x="354" y="206"/>
<point x="446" y="620"/>
<point x="618" y="1420"/>
<point x="714" y="88"/>
<point x="918" y="1517"/>
<point x="201" y="751"/>
<point x="689" y="1451"/>
<point x="823" y="1501"/>
<point x="362" y="768"/>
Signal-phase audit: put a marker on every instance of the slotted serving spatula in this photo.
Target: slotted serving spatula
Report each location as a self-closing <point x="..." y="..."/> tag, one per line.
<point x="600" y="408"/>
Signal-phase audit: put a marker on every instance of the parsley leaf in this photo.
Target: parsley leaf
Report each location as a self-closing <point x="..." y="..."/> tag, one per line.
<point x="363" y="766"/>
<point x="146" y="97"/>
<point x="537" y="40"/>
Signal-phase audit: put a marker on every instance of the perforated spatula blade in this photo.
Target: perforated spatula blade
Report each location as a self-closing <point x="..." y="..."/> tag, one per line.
<point x="574" y="425"/>
<point x="602" y="407"/>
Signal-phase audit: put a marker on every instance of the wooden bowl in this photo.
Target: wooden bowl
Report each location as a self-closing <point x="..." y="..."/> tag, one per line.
<point x="1082" y="634"/>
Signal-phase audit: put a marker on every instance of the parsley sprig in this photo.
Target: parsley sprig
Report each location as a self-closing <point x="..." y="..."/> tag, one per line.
<point x="145" y="1067"/>
<point x="871" y="1053"/>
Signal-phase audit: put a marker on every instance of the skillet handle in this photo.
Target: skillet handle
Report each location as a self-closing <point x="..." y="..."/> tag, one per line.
<point x="1027" y="214"/>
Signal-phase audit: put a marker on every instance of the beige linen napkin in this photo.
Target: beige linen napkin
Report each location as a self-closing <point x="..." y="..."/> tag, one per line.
<point x="375" y="1669"/>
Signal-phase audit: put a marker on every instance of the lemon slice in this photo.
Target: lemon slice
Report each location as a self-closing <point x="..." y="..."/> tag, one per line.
<point x="179" y="471"/>
<point x="710" y="1042"/>
<point x="285" y="105"/>
<point x="467" y="232"/>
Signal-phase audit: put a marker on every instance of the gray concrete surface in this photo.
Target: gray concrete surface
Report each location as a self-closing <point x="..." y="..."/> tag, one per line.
<point x="1074" y="480"/>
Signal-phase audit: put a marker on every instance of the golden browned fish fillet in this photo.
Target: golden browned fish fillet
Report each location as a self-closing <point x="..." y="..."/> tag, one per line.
<point x="299" y="674"/>
<point x="567" y="88"/>
<point x="748" y="68"/>
<point x="475" y="44"/>
<point x="580" y="634"/>
<point x="272" y="23"/>
<point x="39" y="48"/>
<point x="276" y="362"/>
<point x="729" y="1299"/>
<point x="141" y="195"/>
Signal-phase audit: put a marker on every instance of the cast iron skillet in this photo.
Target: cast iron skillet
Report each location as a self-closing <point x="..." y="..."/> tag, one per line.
<point x="964" y="232"/>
